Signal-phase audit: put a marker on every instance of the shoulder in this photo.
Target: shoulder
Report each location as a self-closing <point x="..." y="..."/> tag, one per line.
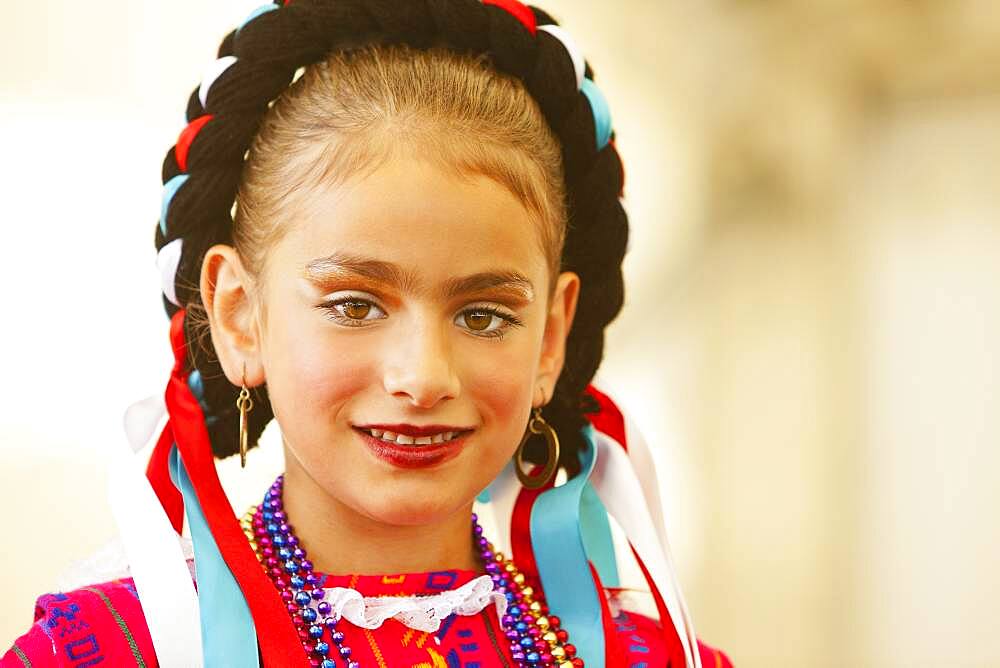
<point x="97" y="623"/>
<point x="642" y="642"/>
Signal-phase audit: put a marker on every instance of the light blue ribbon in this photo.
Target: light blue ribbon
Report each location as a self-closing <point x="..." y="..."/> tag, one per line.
<point x="602" y="112"/>
<point x="170" y="189"/>
<point x="597" y="539"/>
<point x="561" y="557"/>
<point x="263" y="9"/>
<point x="228" y="636"/>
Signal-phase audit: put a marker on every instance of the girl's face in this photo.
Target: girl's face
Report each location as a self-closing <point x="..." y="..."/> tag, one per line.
<point x="409" y="330"/>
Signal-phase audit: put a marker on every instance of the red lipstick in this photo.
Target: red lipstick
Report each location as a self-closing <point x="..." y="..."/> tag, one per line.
<point x="413" y="456"/>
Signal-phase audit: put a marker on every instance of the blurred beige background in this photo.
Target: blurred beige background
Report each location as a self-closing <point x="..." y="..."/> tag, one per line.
<point x="811" y="339"/>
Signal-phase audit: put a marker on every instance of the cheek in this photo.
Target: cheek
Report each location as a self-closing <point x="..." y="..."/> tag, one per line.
<point x="310" y="373"/>
<point x="500" y="382"/>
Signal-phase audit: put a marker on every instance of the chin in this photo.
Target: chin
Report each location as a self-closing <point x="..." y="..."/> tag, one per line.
<point x="404" y="509"/>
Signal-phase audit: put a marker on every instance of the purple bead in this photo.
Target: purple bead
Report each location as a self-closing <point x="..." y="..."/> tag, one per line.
<point x="338" y="636"/>
<point x="299" y="553"/>
<point x="293" y="540"/>
<point x="323" y="608"/>
<point x="345" y="651"/>
<point x="319" y="594"/>
<point x="307" y="565"/>
<point x="280" y="516"/>
<point x="330" y="623"/>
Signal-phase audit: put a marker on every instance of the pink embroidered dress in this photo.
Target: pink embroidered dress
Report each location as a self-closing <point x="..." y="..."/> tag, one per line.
<point x="104" y="624"/>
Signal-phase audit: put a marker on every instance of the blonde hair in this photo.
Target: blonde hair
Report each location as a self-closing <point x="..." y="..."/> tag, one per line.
<point x="348" y="114"/>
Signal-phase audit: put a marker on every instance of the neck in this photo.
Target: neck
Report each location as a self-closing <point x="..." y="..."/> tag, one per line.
<point x="341" y="540"/>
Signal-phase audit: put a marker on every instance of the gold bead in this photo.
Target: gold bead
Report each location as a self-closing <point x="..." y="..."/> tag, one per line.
<point x="535" y="607"/>
<point x="559" y="653"/>
<point x="509" y="568"/>
<point x="528" y="591"/>
<point x="543" y="622"/>
<point x="498" y="557"/>
<point x="519" y="579"/>
<point x="549" y="637"/>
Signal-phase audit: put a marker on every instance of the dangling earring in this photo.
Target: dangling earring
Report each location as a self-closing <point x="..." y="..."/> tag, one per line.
<point x="538" y="425"/>
<point x="245" y="404"/>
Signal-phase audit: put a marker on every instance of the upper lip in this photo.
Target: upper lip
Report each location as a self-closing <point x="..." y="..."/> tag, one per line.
<point x="414" y="430"/>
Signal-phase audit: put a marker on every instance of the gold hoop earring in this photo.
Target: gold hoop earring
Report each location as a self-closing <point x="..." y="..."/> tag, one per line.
<point x="538" y="426"/>
<point x="245" y="404"/>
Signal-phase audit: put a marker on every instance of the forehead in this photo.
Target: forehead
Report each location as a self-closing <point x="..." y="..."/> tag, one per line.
<point x="409" y="212"/>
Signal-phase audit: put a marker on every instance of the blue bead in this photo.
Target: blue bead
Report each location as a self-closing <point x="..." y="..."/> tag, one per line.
<point x="296" y="582"/>
<point x="316" y="631"/>
<point x="533" y="657"/>
<point x="527" y="642"/>
<point x="278" y="540"/>
<point x="285" y="553"/>
<point x="328" y="663"/>
<point x="510" y="596"/>
<point x="303" y="598"/>
<point x="309" y="615"/>
<point x="267" y="515"/>
<point x="521" y="627"/>
<point x="321" y="648"/>
<point x="290" y="566"/>
<point x="514" y="612"/>
<point x="271" y="527"/>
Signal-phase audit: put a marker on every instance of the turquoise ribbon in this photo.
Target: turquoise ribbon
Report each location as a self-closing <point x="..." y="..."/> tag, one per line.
<point x="263" y="9"/>
<point x="228" y="636"/>
<point x="561" y="556"/>
<point x="602" y="112"/>
<point x="170" y="189"/>
<point x="597" y="538"/>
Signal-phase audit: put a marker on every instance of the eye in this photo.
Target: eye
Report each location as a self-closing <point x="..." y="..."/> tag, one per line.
<point x="352" y="310"/>
<point x="488" y="321"/>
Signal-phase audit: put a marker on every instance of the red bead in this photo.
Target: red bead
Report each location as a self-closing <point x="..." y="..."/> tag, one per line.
<point x="578" y="662"/>
<point x="546" y="658"/>
<point x="562" y="636"/>
<point x="554" y="621"/>
<point x="570" y="649"/>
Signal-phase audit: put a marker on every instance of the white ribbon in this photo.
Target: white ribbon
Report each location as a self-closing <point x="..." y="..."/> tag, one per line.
<point x="213" y="72"/>
<point x="575" y="54"/>
<point x="159" y="569"/>
<point x="625" y="495"/>
<point x="167" y="261"/>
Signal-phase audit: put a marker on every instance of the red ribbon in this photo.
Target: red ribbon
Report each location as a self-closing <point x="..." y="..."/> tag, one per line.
<point x="186" y="137"/>
<point x="518" y="10"/>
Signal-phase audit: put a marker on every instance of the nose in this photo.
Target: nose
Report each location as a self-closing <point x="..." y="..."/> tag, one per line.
<point x="420" y="369"/>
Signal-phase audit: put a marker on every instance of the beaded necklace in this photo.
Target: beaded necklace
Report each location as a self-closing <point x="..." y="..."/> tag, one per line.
<point x="534" y="636"/>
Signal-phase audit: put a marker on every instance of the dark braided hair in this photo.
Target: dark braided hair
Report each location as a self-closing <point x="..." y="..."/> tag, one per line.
<point x="204" y="171"/>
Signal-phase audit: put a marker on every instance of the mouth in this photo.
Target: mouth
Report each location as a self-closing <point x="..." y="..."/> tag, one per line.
<point x="409" y="446"/>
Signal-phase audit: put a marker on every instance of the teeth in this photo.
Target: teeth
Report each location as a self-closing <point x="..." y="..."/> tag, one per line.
<point x="403" y="439"/>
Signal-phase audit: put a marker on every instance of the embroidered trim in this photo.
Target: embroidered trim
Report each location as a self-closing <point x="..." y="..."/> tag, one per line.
<point x="22" y="656"/>
<point x="121" y="625"/>
<point x="421" y="613"/>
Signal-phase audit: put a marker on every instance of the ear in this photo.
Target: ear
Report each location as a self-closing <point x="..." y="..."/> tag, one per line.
<point x="557" y="326"/>
<point x="227" y="293"/>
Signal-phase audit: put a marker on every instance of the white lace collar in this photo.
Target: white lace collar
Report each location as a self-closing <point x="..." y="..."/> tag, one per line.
<point x="421" y="613"/>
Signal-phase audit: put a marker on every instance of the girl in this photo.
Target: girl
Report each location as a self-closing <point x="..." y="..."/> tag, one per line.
<point x="414" y="281"/>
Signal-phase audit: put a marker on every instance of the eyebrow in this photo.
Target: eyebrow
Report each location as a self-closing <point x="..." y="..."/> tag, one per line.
<point x="344" y="265"/>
